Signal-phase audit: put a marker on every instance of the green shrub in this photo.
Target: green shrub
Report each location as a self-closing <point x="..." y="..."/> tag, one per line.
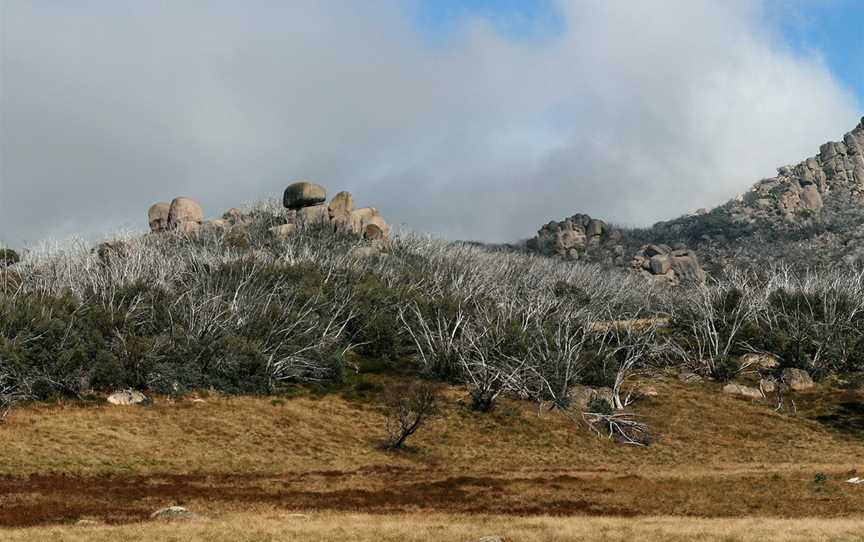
<point x="725" y="369"/>
<point x="598" y="405"/>
<point x="8" y="257"/>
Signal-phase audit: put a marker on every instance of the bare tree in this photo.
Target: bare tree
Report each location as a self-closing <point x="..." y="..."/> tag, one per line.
<point x="407" y="408"/>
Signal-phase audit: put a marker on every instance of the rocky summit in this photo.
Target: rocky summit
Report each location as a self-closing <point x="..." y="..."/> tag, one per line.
<point x="809" y="215"/>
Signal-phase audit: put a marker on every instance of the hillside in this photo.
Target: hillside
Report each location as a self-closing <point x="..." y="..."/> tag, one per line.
<point x="296" y="356"/>
<point x="809" y="215"/>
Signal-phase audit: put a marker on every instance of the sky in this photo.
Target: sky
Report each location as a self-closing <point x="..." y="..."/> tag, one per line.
<point x="470" y="119"/>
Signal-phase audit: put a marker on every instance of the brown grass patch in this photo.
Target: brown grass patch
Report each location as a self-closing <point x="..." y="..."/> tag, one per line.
<point x="717" y="456"/>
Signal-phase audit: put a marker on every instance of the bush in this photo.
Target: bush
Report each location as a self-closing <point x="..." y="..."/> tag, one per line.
<point x="407" y="407"/>
<point x="725" y="369"/>
<point x="8" y="257"/>
<point x="598" y="405"/>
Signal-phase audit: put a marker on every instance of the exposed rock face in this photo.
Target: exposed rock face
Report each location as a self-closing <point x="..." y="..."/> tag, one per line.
<point x="796" y="379"/>
<point x="184" y="210"/>
<point x="303" y="194"/>
<point x="158" y="216"/>
<point x="661" y="263"/>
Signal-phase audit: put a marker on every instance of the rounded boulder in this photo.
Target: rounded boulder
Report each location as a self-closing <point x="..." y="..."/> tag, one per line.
<point x="184" y="210"/>
<point x="157" y="216"/>
<point x="303" y="194"/>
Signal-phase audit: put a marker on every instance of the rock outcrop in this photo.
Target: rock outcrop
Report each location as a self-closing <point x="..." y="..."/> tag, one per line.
<point x="798" y="192"/>
<point x="660" y="263"/>
<point x="305" y="204"/>
<point x="571" y="237"/>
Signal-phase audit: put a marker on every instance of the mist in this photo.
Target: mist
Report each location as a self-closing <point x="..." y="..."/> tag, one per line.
<point x="629" y="111"/>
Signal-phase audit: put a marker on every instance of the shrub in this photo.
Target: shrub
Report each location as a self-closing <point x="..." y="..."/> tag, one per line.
<point x="8" y="257"/>
<point x="598" y="405"/>
<point x="407" y="408"/>
<point x="725" y="369"/>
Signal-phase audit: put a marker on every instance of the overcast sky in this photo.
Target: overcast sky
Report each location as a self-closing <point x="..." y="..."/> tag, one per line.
<point x="472" y="119"/>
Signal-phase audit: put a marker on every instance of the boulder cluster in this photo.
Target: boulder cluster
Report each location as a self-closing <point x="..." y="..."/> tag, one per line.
<point x="799" y="191"/>
<point x="571" y="237"/>
<point x="660" y="263"/>
<point x="182" y="214"/>
<point x="307" y="203"/>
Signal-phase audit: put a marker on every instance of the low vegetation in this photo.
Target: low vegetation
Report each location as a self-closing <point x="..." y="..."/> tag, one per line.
<point x="237" y="311"/>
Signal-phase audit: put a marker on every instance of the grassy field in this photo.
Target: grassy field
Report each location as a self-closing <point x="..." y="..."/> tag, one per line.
<point x="247" y="463"/>
<point x="327" y="527"/>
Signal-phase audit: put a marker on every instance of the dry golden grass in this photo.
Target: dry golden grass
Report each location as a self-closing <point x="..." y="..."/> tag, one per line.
<point x="276" y="526"/>
<point x="717" y="456"/>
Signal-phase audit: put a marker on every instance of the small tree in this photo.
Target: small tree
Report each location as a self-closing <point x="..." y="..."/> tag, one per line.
<point x="408" y="407"/>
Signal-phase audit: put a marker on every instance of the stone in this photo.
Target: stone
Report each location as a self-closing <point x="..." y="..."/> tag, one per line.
<point x="811" y="199"/>
<point x="743" y="391"/>
<point x="157" y="216"/>
<point x="767" y="385"/>
<point x="182" y="210"/>
<point x="358" y="218"/>
<point x="648" y="391"/>
<point x="126" y="398"/>
<point x="303" y="194"/>
<point x="314" y="214"/>
<point x="689" y="377"/>
<point x="760" y="361"/>
<point x="687" y="268"/>
<point x="595" y="227"/>
<point x="492" y="538"/>
<point x="283" y="232"/>
<point x="375" y="228"/>
<point x="174" y="513"/>
<point x="660" y="264"/>
<point x="341" y="205"/>
<point x="796" y="379"/>
<point x="650" y="251"/>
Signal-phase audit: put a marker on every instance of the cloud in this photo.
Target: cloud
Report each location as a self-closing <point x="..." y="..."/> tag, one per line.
<point x="634" y="112"/>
